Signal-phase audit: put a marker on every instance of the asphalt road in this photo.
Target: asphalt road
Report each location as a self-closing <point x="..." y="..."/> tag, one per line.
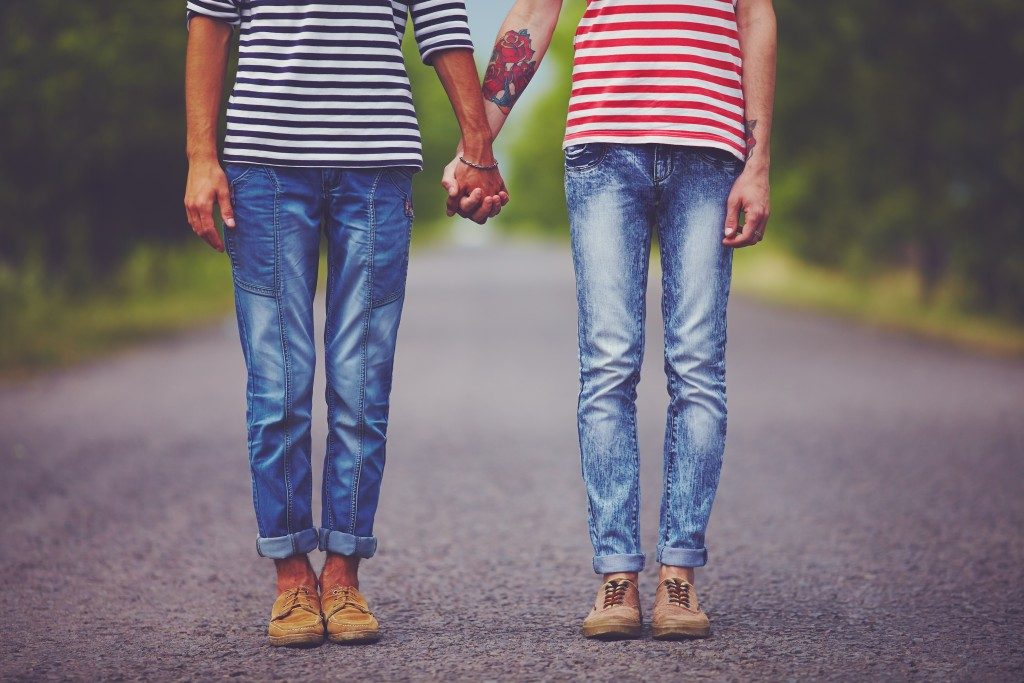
<point x="869" y="523"/>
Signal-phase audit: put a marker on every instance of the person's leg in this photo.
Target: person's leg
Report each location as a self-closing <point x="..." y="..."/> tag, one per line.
<point x="274" y="252"/>
<point x="696" y="273"/>
<point x="369" y="228"/>
<point x="610" y="197"/>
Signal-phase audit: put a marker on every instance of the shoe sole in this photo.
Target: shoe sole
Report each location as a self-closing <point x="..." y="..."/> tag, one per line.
<point x="296" y="640"/>
<point x="680" y="632"/>
<point x="354" y="637"/>
<point x="613" y="631"/>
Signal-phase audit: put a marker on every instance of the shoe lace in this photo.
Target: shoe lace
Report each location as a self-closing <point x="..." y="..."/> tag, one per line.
<point x="615" y="592"/>
<point x="298" y="598"/>
<point x="678" y="592"/>
<point x="345" y="597"/>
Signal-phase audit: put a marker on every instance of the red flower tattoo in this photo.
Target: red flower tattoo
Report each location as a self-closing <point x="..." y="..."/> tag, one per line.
<point x="510" y="70"/>
<point x="493" y="81"/>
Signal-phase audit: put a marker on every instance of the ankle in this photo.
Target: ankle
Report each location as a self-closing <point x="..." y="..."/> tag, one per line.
<point x="632" y="577"/>
<point x="670" y="572"/>
<point x="293" y="572"/>
<point x="340" y="570"/>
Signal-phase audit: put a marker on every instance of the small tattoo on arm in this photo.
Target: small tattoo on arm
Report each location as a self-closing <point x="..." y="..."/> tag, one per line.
<point x="751" y="139"/>
<point x="510" y="70"/>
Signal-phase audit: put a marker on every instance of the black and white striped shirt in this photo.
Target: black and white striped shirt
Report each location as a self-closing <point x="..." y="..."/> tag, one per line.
<point x="324" y="84"/>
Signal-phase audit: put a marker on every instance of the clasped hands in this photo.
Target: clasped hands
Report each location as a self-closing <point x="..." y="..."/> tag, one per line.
<point x="473" y="193"/>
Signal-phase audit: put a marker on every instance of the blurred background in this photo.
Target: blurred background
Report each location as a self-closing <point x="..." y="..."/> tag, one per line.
<point x="898" y="171"/>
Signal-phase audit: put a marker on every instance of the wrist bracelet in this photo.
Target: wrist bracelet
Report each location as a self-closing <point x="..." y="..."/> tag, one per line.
<point x="481" y="167"/>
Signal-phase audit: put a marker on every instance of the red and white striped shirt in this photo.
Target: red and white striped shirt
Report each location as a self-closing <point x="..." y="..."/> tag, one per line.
<point x="665" y="71"/>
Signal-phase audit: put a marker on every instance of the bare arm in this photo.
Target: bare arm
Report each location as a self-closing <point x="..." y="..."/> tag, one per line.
<point x="758" y="43"/>
<point x="520" y="47"/>
<point x="205" y="62"/>
<point x="457" y="73"/>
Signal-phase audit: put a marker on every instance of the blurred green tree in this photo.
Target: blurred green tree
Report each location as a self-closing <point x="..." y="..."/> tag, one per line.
<point x="91" y="158"/>
<point x="900" y="137"/>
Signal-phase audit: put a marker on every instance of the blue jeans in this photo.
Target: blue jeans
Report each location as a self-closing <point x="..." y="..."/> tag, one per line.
<point x="366" y="215"/>
<point x="618" y="196"/>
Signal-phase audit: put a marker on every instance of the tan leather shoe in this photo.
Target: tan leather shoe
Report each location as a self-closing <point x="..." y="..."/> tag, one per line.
<point x="295" y="620"/>
<point x="677" y="612"/>
<point x="349" y="619"/>
<point x="616" y="612"/>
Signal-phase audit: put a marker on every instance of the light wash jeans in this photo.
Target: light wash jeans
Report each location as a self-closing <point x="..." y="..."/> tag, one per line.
<point x="366" y="215"/>
<point x="618" y="196"/>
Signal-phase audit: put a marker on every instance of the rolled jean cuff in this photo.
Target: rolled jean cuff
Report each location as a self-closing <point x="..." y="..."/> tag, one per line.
<point x="610" y="564"/>
<point x="346" y="544"/>
<point x="280" y="547"/>
<point x="682" y="557"/>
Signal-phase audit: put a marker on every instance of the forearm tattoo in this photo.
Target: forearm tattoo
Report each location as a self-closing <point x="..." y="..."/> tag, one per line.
<point x="751" y="139"/>
<point x="510" y="70"/>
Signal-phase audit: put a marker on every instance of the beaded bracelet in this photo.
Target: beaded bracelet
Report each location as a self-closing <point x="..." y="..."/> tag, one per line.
<point x="481" y="167"/>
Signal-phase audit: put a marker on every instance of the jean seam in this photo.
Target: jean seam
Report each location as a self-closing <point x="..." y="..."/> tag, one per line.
<point x="279" y="300"/>
<point x="326" y="500"/>
<point x="645" y="258"/>
<point x="243" y="327"/>
<point x="579" y="396"/>
<point x="363" y="349"/>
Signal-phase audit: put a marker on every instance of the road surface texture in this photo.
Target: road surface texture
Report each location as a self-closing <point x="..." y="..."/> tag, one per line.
<point x="869" y="522"/>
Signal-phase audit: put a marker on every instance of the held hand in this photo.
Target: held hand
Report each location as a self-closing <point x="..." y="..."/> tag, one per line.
<point x="206" y="186"/>
<point x="473" y="193"/>
<point x="750" y="194"/>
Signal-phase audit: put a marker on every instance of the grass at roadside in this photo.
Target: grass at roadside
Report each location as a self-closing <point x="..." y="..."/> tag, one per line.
<point x="890" y="301"/>
<point x="158" y="291"/>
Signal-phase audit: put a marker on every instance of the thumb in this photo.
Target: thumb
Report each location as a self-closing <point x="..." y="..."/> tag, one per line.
<point x="226" y="211"/>
<point x="732" y="217"/>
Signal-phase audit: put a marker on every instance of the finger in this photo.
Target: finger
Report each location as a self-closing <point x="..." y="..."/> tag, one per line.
<point x="751" y="230"/>
<point x="209" y="228"/>
<point x="496" y="201"/>
<point x="756" y="219"/>
<point x="470" y="205"/>
<point x="732" y="217"/>
<point x="226" y="210"/>
<point x="504" y="197"/>
<point x="484" y="212"/>
<point x="194" y="220"/>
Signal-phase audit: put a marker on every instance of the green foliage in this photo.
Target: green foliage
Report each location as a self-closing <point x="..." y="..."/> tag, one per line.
<point x="91" y="159"/>
<point x="157" y="290"/>
<point x="900" y="139"/>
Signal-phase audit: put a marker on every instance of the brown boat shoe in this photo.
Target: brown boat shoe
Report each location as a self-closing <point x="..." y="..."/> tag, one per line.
<point x="295" y="620"/>
<point x="616" y="612"/>
<point x="677" y="612"/>
<point x="349" y="619"/>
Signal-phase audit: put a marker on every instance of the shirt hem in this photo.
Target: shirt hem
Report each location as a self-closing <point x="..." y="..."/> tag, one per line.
<point x="299" y="163"/>
<point x="661" y="137"/>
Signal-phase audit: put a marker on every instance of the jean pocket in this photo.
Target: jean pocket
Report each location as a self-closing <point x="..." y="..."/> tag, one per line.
<point x="252" y="244"/>
<point x="392" y="216"/>
<point x="719" y="158"/>
<point x="237" y="173"/>
<point x="584" y="157"/>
